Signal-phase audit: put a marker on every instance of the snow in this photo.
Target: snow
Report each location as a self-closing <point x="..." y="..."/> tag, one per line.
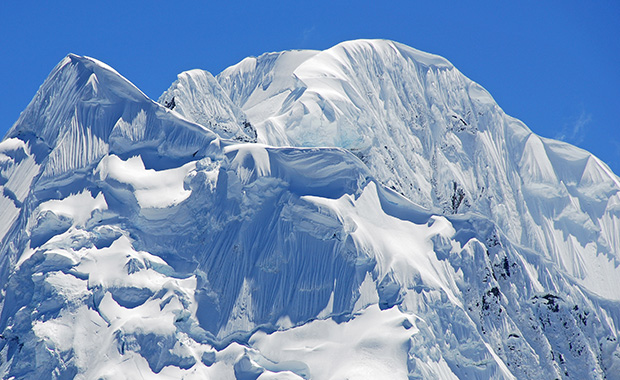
<point x="215" y="110"/>
<point x="392" y="222"/>
<point x="78" y="207"/>
<point x="424" y="130"/>
<point x="400" y="247"/>
<point x="371" y="345"/>
<point x="152" y="189"/>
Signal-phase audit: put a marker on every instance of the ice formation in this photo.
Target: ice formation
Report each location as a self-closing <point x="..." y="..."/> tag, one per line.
<point x="361" y="212"/>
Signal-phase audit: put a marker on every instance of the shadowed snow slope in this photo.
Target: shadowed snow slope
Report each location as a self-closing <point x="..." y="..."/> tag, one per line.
<point x="143" y="242"/>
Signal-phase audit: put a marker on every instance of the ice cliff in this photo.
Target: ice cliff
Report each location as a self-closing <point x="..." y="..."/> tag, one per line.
<point x="362" y="212"/>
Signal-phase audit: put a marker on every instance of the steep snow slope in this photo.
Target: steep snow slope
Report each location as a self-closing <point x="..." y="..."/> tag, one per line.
<point x="197" y="96"/>
<point x="428" y="132"/>
<point x="142" y="245"/>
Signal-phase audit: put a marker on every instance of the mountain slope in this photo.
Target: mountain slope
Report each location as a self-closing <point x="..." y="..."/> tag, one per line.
<point x="438" y="138"/>
<point x="197" y="96"/>
<point x="143" y="245"/>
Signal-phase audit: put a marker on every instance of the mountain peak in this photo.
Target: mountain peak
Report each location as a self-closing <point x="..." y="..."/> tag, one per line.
<point x="383" y="47"/>
<point x="85" y="109"/>
<point x="88" y="62"/>
<point x="75" y="79"/>
<point x="392" y="222"/>
<point x="198" y="97"/>
<point x="430" y="133"/>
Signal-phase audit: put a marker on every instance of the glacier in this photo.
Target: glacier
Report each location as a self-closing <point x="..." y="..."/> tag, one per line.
<point x="361" y="212"/>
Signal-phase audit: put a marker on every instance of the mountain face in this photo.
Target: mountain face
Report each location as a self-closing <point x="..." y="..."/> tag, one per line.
<point x="431" y="134"/>
<point x="361" y="212"/>
<point x="198" y="97"/>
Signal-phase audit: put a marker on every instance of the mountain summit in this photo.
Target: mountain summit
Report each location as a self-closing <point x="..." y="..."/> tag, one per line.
<point x="439" y="139"/>
<point x="360" y="212"/>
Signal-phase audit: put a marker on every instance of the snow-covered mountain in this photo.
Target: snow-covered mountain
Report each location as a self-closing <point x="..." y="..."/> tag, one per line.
<point x="390" y="222"/>
<point x="428" y="132"/>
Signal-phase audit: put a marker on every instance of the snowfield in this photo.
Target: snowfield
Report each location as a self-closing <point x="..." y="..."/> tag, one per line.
<point x="364" y="212"/>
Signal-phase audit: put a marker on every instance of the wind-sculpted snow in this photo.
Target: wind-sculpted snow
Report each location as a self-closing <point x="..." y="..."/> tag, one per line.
<point x="428" y="132"/>
<point x="137" y="244"/>
<point x="197" y="96"/>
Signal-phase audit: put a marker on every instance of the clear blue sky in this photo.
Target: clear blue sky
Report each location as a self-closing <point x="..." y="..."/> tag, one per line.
<point x="553" y="64"/>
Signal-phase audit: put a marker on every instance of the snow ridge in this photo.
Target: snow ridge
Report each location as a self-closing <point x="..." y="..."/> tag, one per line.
<point x="197" y="96"/>
<point x="143" y="241"/>
<point x="428" y="132"/>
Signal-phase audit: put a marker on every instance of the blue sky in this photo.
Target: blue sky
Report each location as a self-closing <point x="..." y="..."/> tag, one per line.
<point x="553" y="64"/>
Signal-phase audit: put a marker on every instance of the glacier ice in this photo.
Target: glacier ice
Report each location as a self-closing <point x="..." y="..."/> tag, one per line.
<point x="361" y="212"/>
<point x="438" y="138"/>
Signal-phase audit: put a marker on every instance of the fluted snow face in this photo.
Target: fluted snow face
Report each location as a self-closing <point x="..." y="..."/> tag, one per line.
<point x="137" y="242"/>
<point x="428" y="132"/>
<point x="198" y="97"/>
<point x="85" y="109"/>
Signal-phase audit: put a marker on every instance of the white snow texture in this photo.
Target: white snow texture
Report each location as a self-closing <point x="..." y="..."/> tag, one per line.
<point x="363" y="212"/>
